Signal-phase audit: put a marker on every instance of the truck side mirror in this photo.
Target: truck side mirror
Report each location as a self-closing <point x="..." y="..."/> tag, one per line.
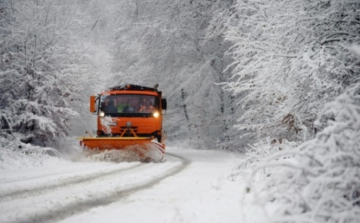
<point x="163" y="104"/>
<point x="92" y="103"/>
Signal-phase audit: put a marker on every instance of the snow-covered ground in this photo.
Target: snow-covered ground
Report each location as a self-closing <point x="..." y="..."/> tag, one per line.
<point x="191" y="186"/>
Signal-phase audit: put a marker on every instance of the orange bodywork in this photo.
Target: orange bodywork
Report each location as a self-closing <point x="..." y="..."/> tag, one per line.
<point x="127" y="117"/>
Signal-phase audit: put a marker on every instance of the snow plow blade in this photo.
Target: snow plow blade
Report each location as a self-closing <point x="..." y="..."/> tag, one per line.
<point x="144" y="147"/>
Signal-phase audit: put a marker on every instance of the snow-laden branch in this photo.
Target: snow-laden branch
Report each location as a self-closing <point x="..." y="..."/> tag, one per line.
<point x="296" y="46"/>
<point x="318" y="180"/>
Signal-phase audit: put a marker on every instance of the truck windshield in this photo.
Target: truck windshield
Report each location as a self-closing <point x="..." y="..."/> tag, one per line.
<point x="128" y="105"/>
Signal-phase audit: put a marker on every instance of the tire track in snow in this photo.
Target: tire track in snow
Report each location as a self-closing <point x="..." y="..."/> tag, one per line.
<point x="76" y="207"/>
<point x="55" y="173"/>
<point x="72" y="179"/>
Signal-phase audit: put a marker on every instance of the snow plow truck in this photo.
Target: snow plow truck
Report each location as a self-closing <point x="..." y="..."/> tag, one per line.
<point x="129" y="118"/>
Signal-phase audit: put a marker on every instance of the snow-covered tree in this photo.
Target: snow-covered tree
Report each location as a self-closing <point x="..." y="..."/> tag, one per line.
<point x="290" y="58"/>
<point x="43" y="63"/>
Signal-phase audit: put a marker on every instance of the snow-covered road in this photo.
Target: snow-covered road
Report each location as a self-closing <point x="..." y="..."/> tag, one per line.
<point x="191" y="186"/>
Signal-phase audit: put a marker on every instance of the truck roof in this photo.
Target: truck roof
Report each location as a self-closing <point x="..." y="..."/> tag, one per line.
<point x="129" y="87"/>
<point x="132" y="89"/>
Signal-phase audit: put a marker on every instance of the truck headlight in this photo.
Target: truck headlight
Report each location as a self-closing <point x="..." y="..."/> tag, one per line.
<point x="156" y="114"/>
<point x="102" y="114"/>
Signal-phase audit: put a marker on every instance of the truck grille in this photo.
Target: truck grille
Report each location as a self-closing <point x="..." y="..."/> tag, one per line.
<point x="122" y="128"/>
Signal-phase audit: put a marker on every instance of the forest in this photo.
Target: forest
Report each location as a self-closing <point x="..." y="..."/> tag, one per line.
<point x="277" y="80"/>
